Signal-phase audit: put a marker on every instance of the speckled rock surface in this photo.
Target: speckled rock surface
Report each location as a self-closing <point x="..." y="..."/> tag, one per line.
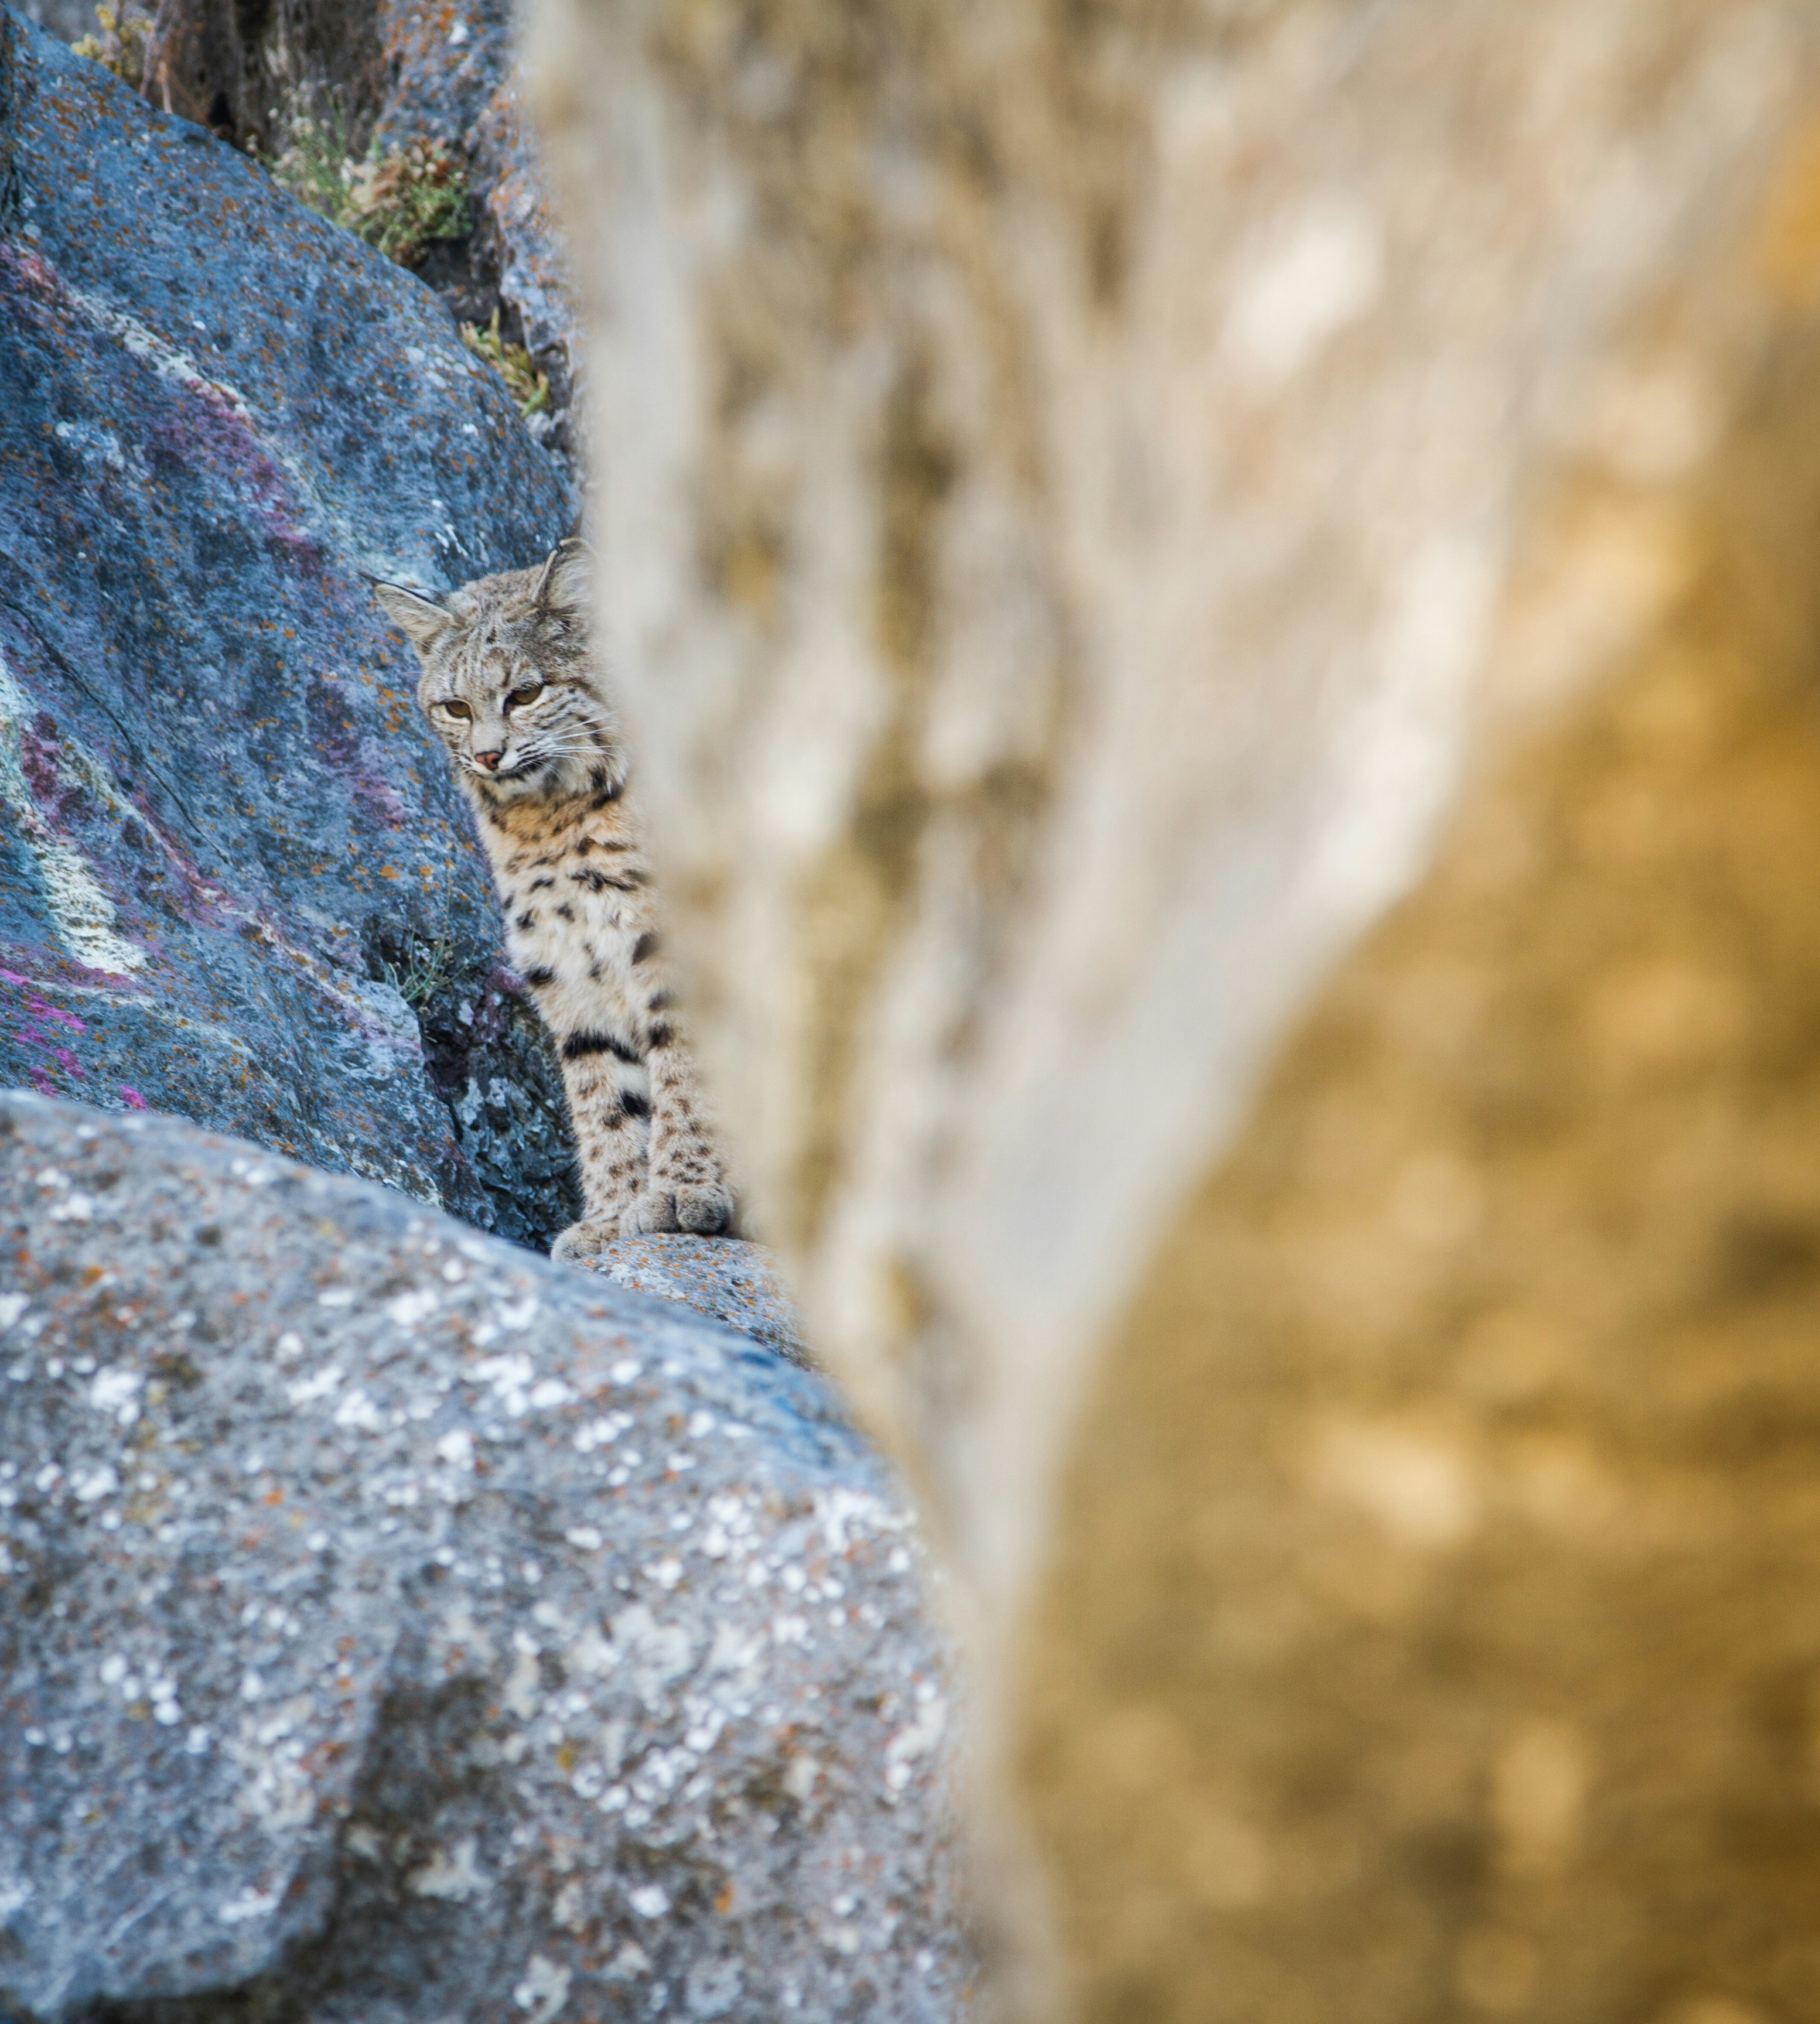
<point x="732" y="1280"/>
<point x="395" y="1626"/>
<point x="228" y="851"/>
<point x="391" y="73"/>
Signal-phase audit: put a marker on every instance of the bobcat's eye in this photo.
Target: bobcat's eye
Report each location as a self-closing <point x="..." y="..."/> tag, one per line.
<point x="523" y="698"/>
<point x="453" y="708"/>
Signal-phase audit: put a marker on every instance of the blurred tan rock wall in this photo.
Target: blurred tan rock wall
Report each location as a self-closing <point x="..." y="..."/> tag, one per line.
<point x="1433" y="1630"/>
<point x="1082" y="489"/>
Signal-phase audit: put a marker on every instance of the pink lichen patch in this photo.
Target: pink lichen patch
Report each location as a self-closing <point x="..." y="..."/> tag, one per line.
<point x="38" y="760"/>
<point x="378" y="797"/>
<point x="202" y="899"/>
<point x="29" y="1033"/>
<point x="36" y="271"/>
<point x="133" y="1100"/>
<point x="214" y="431"/>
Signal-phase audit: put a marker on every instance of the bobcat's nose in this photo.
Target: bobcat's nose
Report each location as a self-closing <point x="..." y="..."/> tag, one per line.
<point x="488" y="761"/>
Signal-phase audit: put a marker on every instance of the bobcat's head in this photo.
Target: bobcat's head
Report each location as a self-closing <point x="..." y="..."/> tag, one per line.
<point x="509" y="683"/>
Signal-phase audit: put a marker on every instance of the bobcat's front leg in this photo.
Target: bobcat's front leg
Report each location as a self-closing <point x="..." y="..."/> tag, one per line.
<point x="685" y="1186"/>
<point x="609" y="1108"/>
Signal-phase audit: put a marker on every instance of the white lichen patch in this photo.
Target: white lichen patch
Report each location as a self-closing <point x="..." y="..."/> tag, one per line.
<point x="250" y="1904"/>
<point x="117" y="1392"/>
<point x="359" y="1410"/>
<point x="454" y="1874"/>
<point x="918" y="1740"/>
<point x="543" y="1990"/>
<point x="86" y="919"/>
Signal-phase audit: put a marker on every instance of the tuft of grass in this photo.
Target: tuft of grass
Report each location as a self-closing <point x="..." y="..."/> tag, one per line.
<point x="317" y="167"/>
<point x="399" y="201"/>
<point x="425" y="970"/>
<point x="428" y="960"/>
<point x="410" y="197"/>
<point x="529" y="388"/>
<point x="124" y="45"/>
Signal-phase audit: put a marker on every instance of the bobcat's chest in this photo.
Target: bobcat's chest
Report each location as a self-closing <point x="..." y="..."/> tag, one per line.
<point x="575" y="907"/>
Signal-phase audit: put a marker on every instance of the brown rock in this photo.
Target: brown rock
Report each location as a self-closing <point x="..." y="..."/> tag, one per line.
<point x="1434" y="1626"/>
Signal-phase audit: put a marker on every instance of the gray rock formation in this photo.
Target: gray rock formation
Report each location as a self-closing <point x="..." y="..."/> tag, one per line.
<point x="386" y="75"/>
<point x="236" y="881"/>
<point x="735" y="1282"/>
<point x="394" y="1626"/>
<point x="463" y="88"/>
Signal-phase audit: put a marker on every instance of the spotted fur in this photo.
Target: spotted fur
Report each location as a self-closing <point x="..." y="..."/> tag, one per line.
<point x="513" y="690"/>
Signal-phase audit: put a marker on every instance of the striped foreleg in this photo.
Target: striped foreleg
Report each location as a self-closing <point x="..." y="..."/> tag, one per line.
<point x="685" y="1185"/>
<point x="609" y="1107"/>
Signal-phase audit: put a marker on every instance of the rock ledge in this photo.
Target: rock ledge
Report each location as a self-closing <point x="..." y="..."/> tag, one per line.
<point x="395" y="1627"/>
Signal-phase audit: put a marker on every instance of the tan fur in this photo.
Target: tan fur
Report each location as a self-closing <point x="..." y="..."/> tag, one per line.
<point x="560" y="827"/>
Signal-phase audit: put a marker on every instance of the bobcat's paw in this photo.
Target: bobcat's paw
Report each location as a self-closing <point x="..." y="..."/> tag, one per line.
<point x="704" y="1212"/>
<point x="583" y="1239"/>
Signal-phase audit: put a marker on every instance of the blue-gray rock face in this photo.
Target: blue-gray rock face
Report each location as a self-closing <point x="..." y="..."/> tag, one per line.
<point x="232" y="867"/>
<point x="468" y="93"/>
<point x="395" y="1626"/>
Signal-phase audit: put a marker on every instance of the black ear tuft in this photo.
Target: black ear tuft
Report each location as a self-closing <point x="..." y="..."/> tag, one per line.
<point x="419" y="620"/>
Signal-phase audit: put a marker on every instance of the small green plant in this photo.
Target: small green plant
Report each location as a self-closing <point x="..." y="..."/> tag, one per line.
<point x="409" y="197"/>
<point x="426" y="971"/>
<point x="427" y="960"/>
<point x="316" y="167"/>
<point x="399" y="201"/>
<point x="529" y="388"/>
<point x="123" y="45"/>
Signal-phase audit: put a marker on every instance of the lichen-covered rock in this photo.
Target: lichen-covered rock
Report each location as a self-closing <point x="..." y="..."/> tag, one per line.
<point x="457" y="82"/>
<point x="236" y="879"/>
<point x="394" y="1626"/>
<point x="521" y="244"/>
<point x="735" y="1282"/>
<point x="385" y="75"/>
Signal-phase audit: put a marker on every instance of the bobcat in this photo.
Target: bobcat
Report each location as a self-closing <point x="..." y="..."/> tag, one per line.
<point x="513" y="690"/>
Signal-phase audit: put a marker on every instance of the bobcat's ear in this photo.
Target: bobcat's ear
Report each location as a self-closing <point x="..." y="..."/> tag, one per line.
<point x="416" y="617"/>
<point x="562" y="588"/>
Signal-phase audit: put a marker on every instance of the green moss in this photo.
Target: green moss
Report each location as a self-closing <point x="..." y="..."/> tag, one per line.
<point x="400" y="200"/>
<point x="529" y="388"/>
